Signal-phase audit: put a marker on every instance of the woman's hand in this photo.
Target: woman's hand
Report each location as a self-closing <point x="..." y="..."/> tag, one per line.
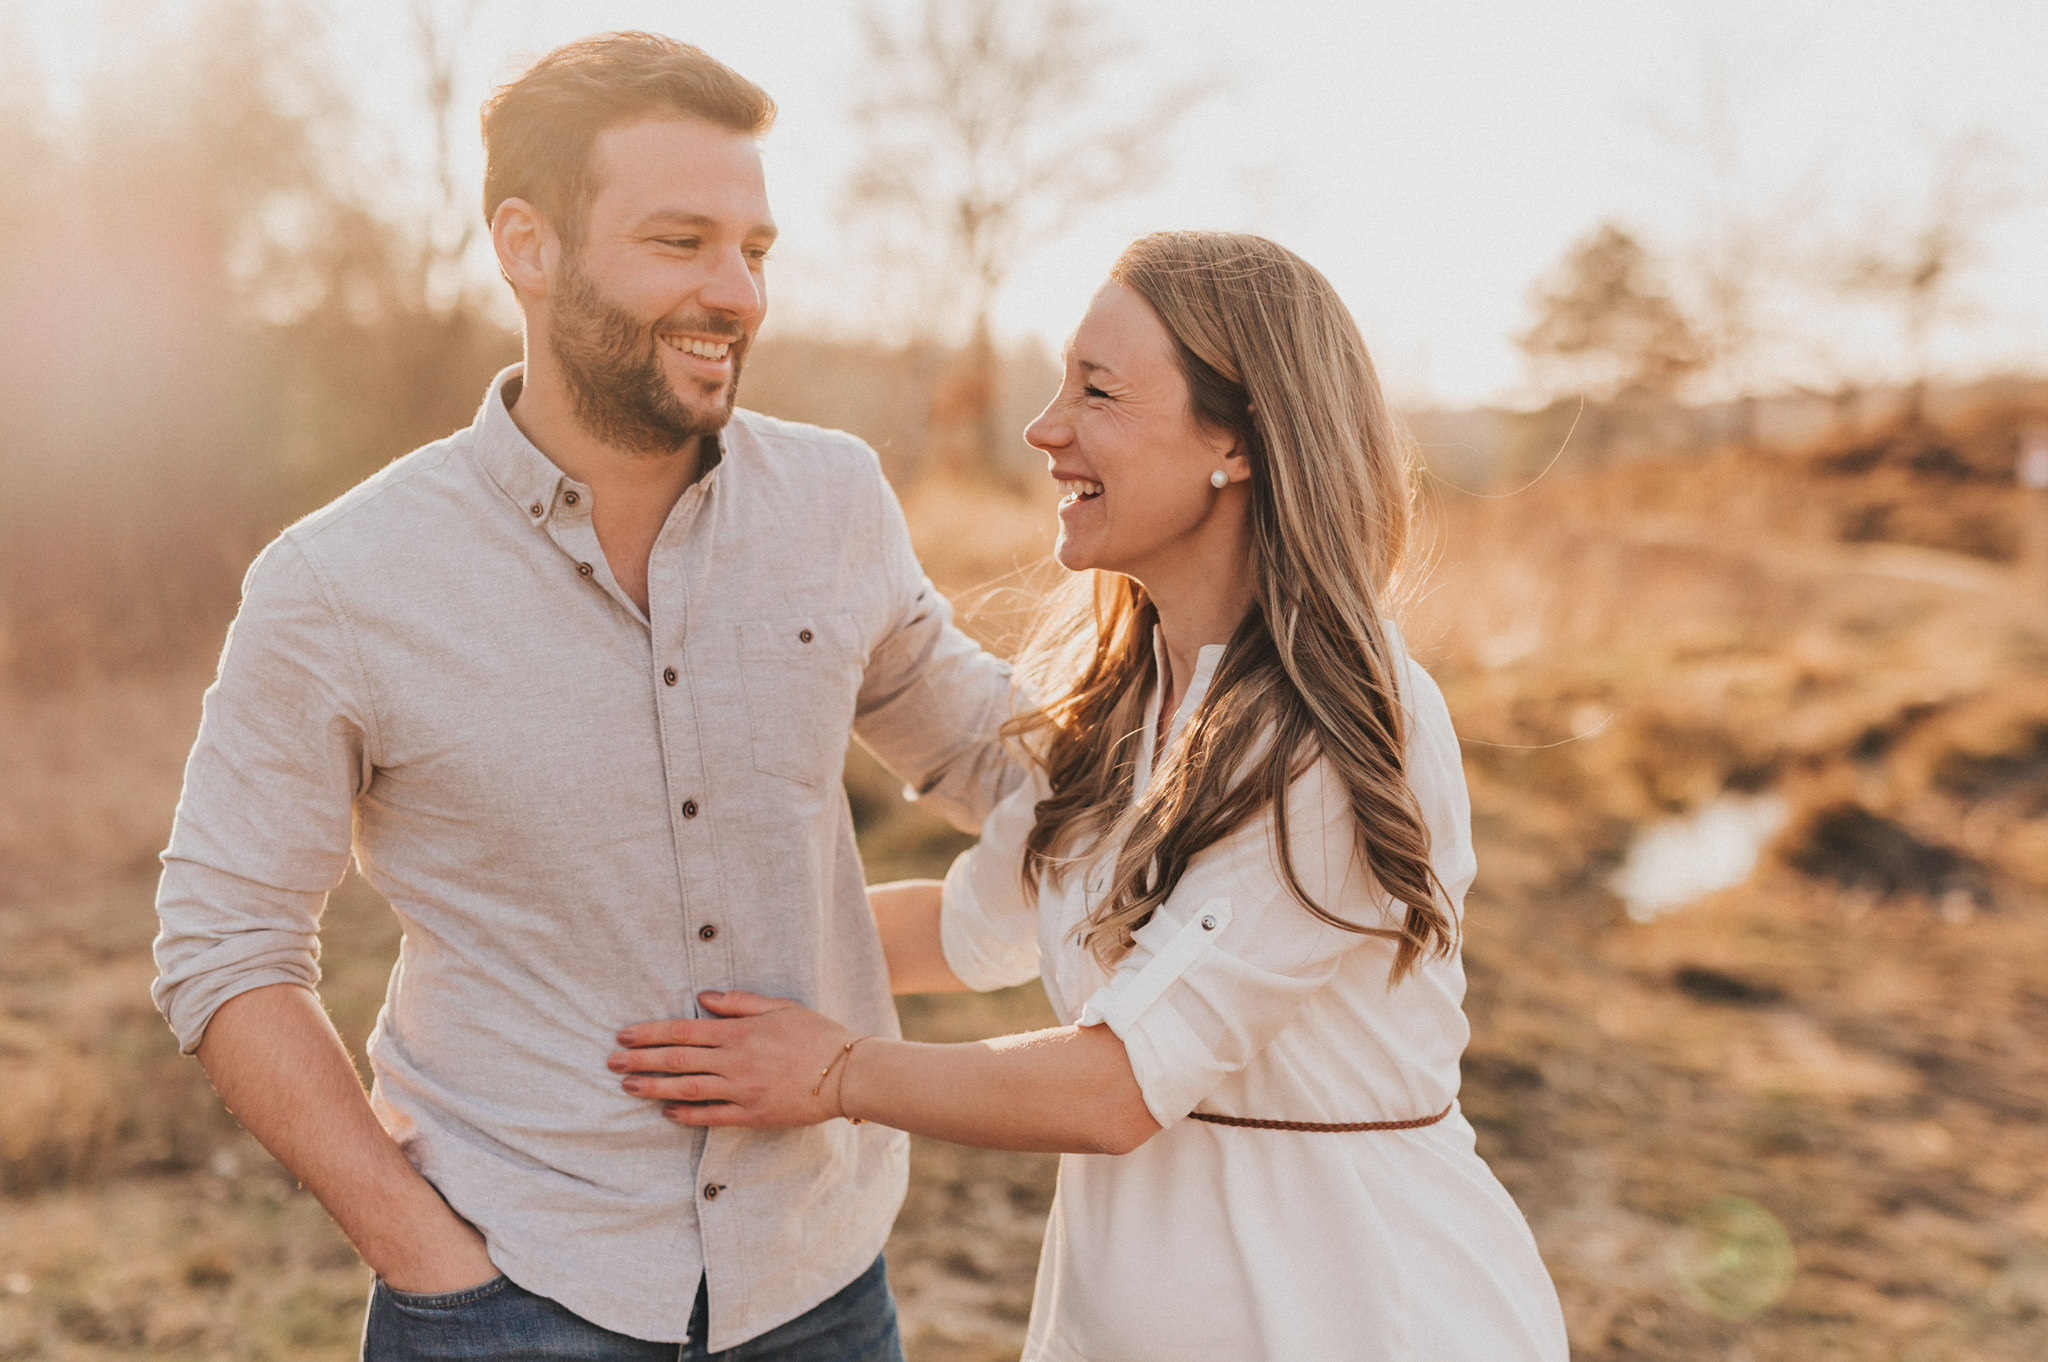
<point x="755" y="1062"/>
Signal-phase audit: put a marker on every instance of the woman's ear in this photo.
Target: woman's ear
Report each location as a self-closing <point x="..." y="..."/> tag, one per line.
<point x="527" y="247"/>
<point x="1226" y="451"/>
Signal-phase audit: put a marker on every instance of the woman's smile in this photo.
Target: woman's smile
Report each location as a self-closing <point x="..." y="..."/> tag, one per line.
<point x="1076" y="491"/>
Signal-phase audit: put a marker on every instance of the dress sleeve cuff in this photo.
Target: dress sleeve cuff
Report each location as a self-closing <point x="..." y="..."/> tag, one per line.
<point x="1172" y="1066"/>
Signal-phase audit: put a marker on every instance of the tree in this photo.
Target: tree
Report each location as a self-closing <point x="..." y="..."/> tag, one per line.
<point x="451" y="223"/>
<point x="1735" y="271"/>
<point x="1916" y="269"/>
<point x="986" y="133"/>
<point x="1607" y="328"/>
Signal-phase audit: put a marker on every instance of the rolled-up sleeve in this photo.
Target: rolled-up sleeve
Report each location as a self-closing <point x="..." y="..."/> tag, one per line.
<point x="1232" y="957"/>
<point x="264" y="824"/>
<point x="987" y="927"/>
<point x="933" y="701"/>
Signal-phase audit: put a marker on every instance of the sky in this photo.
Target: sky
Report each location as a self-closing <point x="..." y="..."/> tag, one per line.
<point x="1434" y="160"/>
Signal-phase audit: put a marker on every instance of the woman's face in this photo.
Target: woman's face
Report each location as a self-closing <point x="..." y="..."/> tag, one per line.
<point x="1132" y="463"/>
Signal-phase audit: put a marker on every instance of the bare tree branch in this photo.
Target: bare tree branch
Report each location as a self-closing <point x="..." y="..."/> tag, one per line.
<point x="986" y="129"/>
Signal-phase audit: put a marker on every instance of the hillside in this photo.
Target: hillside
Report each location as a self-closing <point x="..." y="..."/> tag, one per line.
<point x="1799" y="1117"/>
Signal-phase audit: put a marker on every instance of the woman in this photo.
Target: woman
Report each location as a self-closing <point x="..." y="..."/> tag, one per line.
<point x="1238" y="870"/>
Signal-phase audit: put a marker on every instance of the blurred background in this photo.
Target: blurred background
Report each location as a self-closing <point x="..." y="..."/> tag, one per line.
<point x="1723" y="333"/>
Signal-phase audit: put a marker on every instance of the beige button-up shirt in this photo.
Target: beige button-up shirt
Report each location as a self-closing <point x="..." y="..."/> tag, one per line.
<point x="583" y="816"/>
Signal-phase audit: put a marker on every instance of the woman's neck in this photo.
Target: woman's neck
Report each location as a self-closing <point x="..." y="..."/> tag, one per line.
<point x="1194" y="613"/>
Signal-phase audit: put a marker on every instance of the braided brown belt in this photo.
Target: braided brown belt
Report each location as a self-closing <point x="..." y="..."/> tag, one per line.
<point x="1318" y="1127"/>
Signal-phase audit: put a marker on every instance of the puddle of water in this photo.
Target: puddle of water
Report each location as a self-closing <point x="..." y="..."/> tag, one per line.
<point x="1681" y="859"/>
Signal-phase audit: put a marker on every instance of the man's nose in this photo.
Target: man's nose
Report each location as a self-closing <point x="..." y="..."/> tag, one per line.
<point x="734" y="289"/>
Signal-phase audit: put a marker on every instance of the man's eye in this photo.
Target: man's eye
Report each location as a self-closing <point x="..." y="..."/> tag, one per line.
<point x="682" y="243"/>
<point x="758" y="254"/>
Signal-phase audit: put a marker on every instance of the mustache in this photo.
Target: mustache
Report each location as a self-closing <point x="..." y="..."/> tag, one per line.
<point x="703" y="324"/>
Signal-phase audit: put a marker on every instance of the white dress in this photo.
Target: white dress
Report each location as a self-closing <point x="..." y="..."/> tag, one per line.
<point x="1235" y="1244"/>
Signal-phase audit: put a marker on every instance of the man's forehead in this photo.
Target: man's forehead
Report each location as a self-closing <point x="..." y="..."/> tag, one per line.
<point x="685" y="164"/>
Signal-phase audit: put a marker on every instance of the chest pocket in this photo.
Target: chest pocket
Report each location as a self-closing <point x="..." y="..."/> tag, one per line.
<point x="802" y="675"/>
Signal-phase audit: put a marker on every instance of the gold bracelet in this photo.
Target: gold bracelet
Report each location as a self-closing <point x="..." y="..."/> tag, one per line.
<point x="826" y="1072"/>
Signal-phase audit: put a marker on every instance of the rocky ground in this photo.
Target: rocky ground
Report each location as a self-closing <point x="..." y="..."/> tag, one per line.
<point x="1797" y="1117"/>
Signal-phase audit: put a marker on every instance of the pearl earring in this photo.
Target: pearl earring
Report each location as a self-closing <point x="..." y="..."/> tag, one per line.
<point x="1218" y="479"/>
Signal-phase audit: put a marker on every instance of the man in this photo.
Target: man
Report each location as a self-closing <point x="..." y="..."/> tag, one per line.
<point x="574" y="685"/>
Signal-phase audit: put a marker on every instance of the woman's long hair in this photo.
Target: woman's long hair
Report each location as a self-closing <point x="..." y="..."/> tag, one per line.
<point x="1272" y="356"/>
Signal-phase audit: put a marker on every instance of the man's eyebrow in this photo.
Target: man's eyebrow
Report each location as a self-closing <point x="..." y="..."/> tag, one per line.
<point x="703" y="222"/>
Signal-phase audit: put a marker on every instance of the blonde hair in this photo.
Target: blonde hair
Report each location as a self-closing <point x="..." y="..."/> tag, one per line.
<point x="1272" y="356"/>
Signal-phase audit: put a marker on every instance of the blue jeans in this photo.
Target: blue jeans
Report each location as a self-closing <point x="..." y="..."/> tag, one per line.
<point x="501" y="1322"/>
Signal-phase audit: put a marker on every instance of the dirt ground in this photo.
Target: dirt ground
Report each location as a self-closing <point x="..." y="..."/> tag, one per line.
<point x="1804" y="1116"/>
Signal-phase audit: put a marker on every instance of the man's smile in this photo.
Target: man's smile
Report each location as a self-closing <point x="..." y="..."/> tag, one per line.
<point x="696" y="345"/>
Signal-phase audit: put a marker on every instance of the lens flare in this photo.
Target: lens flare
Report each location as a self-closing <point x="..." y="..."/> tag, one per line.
<point x="1732" y="1258"/>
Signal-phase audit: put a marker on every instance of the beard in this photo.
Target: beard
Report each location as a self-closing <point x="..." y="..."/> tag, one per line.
<point x="612" y="364"/>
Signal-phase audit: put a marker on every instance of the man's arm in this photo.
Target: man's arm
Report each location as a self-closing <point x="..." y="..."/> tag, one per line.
<point x="262" y="834"/>
<point x="276" y="1061"/>
<point x="933" y="702"/>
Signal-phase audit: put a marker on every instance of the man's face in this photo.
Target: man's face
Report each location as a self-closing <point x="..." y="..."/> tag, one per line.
<point x="651" y="316"/>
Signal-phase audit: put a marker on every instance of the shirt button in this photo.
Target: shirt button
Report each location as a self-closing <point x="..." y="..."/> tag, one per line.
<point x="1208" y="922"/>
<point x="804" y="637"/>
<point x="689" y="808"/>
<point x="570" y="498"/>
<point x="707" y="932"/>
<point x="668" y="676"/>
<point x="712" y="1189"/>
<point x="583" y="569"/>
<point x="536" y="510"/>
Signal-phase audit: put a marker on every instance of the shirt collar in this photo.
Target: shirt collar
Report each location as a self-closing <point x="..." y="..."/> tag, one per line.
<point x="516" y="464"/>
<point x="512" y="461"/>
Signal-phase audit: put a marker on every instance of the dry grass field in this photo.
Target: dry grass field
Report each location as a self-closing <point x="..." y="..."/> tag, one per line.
<point x="1804" y="1116"/>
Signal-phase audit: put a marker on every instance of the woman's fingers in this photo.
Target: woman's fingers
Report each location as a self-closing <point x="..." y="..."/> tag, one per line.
<point x="760" y="1062"/>
<point x="670" y="1059"/>
<point x="676" y="1031"/>
<point x="710" y="1114"/>
<point x="681" y="1087"/>
<point x="740" y="1003"/>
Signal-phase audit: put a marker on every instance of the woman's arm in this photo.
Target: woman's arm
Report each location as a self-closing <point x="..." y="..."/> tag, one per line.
<point x="760" y="1062"/>
<point x="907" y="918"/>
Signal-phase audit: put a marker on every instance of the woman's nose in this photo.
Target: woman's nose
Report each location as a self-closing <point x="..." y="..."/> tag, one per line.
<point x="1048" y="431"/>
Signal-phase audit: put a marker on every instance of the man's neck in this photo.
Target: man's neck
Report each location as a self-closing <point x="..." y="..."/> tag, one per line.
<point x="631" y="492"/>
<point x="546" y="414"/>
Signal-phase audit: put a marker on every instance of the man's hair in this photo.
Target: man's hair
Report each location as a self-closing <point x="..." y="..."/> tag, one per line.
<point x="538" y="129"/>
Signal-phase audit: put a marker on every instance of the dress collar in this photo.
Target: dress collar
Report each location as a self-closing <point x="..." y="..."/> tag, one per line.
<point x="1206" y="660"/>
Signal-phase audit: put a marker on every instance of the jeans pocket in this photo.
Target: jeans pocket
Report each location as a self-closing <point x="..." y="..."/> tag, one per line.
<point x="445" y="1300"/>
<point x="802" y="676"/>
